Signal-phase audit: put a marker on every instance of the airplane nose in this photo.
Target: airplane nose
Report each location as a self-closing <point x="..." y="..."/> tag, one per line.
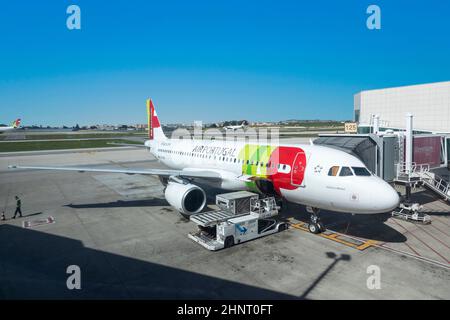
<point x="387" y="198"/>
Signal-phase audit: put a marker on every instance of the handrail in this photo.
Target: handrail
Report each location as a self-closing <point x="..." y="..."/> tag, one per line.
<point x="422" y="171"/>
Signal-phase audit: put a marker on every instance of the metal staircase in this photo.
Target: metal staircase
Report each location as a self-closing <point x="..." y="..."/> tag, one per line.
<point x="421" y="174"/>
<point x="436" y="184"/>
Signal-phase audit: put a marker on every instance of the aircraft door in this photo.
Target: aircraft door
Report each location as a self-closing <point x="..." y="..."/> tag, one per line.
<point x="298" y="170"/>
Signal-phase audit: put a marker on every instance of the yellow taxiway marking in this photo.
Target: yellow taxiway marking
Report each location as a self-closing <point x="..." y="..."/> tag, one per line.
<point x="334" y="236"/>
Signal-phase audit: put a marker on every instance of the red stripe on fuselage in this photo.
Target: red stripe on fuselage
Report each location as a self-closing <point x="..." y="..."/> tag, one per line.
<point x="287" y="155"/>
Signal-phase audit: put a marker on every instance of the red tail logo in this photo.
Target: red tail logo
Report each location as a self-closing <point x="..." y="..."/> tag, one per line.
<point x="16" y="123"/>
<point x="153" y="121"/>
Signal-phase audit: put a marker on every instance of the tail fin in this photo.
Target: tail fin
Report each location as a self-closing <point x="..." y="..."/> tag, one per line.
<point x="15" y="123"/>
<point x="155" y="131"/>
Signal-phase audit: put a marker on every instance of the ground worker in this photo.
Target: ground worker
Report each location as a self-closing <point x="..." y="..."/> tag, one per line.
<point x="18" y="207"/>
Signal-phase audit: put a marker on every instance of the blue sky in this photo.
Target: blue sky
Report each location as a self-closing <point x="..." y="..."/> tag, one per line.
<point x="211" y="60"/>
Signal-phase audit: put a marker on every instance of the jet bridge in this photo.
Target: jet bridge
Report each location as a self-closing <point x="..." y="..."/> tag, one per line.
<point x="383" y="152"/>
<point x="369" y="148"/>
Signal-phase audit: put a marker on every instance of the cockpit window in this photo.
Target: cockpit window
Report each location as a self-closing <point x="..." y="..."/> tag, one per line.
<point x="345" y="171"/>
<point x="361" y="171"/>
<point x="333" y="171"/>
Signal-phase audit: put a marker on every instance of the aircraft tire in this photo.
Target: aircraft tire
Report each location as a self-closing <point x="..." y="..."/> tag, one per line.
<point x="321" y="226"/>
<point x="313" y="228"/>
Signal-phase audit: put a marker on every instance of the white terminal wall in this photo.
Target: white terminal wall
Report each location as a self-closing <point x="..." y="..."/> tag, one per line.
<point x="429" y="103"/>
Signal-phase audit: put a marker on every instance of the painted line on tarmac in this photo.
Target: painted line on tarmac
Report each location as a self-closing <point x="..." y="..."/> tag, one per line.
<point x="366" y="243"/>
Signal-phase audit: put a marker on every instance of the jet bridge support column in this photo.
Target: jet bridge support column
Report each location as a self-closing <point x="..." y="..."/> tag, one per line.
<point x="408" y="151"/>
<point x="409" y="143"/>
<point x="376" y="124"/>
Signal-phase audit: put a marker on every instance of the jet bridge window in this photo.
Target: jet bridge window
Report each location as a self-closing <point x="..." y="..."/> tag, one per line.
<point x="361" y="171"/>
<point x="333" y="171"/>
<point x="345" y="171"/>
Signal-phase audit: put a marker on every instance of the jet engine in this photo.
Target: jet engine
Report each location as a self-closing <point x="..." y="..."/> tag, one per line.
<point x="187" y="198"/>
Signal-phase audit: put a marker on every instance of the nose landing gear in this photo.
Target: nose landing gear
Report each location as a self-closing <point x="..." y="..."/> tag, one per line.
<point x="315" y="225"/>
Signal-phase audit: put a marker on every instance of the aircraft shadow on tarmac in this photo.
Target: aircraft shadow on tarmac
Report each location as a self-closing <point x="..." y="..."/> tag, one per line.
<point x="151" y="202"/>
<point x="34" y="266"/>
<point x="364" y="226"/>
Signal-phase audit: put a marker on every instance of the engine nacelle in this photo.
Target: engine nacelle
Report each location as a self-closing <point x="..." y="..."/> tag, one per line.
<point x="186" y="198"/>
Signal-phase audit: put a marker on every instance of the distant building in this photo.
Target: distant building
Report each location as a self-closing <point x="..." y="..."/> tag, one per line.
<point x="141" y="126"/>
<point x="105" y="127"/>
<point x="428" y="103"/>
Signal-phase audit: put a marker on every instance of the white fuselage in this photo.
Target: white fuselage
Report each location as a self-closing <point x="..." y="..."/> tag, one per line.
<point x="300" y="173"/>
<point x="3" y="129"/>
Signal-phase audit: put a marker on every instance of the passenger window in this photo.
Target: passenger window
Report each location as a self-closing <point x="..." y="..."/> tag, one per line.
<point x="284" y="167"/>
<point x="333" y="171"/>
<point x="345" y="172"/>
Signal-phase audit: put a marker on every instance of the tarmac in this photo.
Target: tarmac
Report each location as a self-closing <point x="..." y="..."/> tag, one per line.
<point x="129" y="243"/>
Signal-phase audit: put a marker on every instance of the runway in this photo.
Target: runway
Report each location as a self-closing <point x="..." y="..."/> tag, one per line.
<point x="129" y="243"/>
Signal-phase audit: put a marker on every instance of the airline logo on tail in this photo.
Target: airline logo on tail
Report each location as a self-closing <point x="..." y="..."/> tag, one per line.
<point x="16" y="123"/>
<point x="153" y="121"/>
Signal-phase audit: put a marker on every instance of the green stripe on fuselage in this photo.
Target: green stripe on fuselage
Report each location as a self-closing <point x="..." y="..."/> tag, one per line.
<point x="255" y="154"/>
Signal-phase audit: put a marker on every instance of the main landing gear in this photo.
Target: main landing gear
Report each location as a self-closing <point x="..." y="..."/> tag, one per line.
<point x="315" y="225"/>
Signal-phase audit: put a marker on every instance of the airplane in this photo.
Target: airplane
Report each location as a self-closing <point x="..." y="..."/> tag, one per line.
<point x="318" y="177"/>
<point x="234" y="128"/>
<point x="14" y="125"/>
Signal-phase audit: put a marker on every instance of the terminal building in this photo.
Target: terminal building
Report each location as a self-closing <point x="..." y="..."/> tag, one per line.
<point x="428" y="103"/>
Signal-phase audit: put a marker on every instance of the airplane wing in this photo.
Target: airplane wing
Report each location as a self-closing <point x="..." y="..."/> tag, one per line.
<point x="128" y="145"/>
<point x="205" y="174"/>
